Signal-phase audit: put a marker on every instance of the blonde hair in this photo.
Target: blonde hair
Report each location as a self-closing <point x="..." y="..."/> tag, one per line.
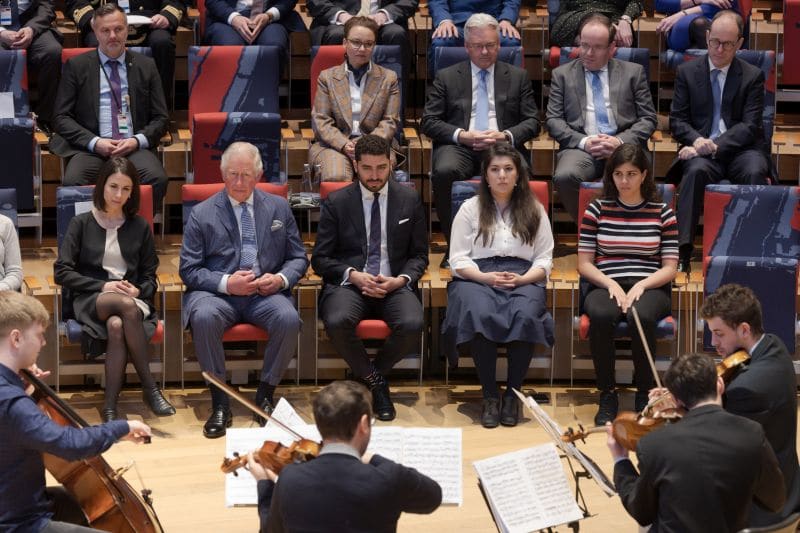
<point x="18" y="311"/>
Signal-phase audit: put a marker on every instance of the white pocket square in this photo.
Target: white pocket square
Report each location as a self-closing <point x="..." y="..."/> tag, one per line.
<point x="403" y="221"/>
<point x="276" y="225"/>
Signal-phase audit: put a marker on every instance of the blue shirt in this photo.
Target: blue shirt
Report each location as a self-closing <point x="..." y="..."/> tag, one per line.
<point x="25" y="433"/>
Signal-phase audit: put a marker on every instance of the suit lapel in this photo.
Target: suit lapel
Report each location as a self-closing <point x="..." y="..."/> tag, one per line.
<point x="465" y="88"/>
<point x="501" y="76"/>
<point x="370" y="93"/>
<point x="393" y="209"/>
<point x="356" y="213"/>
<point x="614" y="80"/>
<point x="579" y="79"/>
<point x="732" y="82"/>
<point x="94" y="84"/>
<point x="228" y="218"/>
<point x="133" y="82"/>
<point x="703" y="78"/>
<point x="263" y="218"/>
<point x="341" y="94"/>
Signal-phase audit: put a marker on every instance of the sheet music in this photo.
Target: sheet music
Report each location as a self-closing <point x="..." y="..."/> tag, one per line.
<point x="286" y="414"/>
<point x="436" y="452"/>
<point x="552" y="428"/>
<point x="527" y="490"/>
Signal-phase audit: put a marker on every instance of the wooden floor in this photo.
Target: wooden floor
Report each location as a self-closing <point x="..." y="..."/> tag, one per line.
<point x="181" y="467"/>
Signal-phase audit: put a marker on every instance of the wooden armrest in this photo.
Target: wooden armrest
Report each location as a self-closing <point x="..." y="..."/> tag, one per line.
<point x="51" y="282"/>
<point x="193" y="13"/>
<point x="410" y="133"/>
<point x="32" y="284"/>
<point x="41" y="138"/>
<point x="570" y="276"/>
<point x="307" y="134"/>
<point x="287" y="134"/>
<point x="657" y="136"/>
<point x="184" y="135"/>
<point x="165" y="279"/>
<point x="445" y="274"/>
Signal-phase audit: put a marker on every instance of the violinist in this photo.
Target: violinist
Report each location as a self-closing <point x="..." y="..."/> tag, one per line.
<point x="343" y="489"/>
<point x="26" y="432"/>
<point x="765" y="390"/>
<point x="699" y="474"/>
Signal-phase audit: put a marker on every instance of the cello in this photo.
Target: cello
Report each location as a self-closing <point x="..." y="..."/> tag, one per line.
<point x="107" y="500"/>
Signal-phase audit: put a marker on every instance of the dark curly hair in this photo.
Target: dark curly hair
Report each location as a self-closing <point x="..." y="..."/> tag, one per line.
<point x="635" y="155"/>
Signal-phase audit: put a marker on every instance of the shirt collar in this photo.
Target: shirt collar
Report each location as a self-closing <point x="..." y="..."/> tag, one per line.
<point x="367" y="194"/>
<point x="753" y="348"/>
<point x="604" y="69"/>
<point x="341" y="448"/>
<point x="104" y="58"/>
<point x="723" y="70"/>
<point x="10" y="376"/>
<point x="476" y="69"/>
<point x="235" y="203"/>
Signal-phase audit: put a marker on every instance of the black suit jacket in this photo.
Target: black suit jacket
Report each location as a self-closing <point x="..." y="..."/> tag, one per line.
<point x="80" y="11"/>
<point x="742" y="107"/>
<point x="220" y="10"/>
<point x="700" y="474"/>
<point x="342" y="234"/>
<point x="337" y="492"/>
<point x="765" y="391"/>
<point x="322" y="11"/>
<point x="77" y="107"/>
<point x="449" y="104"/>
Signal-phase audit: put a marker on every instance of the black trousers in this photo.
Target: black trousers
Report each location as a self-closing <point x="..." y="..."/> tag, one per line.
<point x="44" y="60"/>
<point x="605" y="314"/>
<point x="343" y="307"/>
<point x="451" y="162"/>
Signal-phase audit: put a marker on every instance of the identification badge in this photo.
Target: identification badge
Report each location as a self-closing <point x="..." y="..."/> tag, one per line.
<point x="122" y="123"/>
<point x="5" y="15"/>
<point x="125" y="5"/>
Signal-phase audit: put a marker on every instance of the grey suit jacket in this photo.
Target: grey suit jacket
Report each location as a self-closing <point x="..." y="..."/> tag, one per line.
<point x="211" y="245"/>
<point x="631" y="103"/>
<point x="449" y="104"/>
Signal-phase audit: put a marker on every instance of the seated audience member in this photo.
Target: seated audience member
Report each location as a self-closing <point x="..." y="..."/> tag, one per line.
<point x="498" y="106"/>
<point x="110" y="103"/>
<point x="371" y="249"/>
<point x="158" y="35"/>
<point x="616" y="108"/>
<point x="344" y="489"/>
<point x="689" y="20"/>
<point x="701" y="473"/>
<point x="501" y="254"/>
<point x="352" y="99"/>
<point x="10" y="256"/>
<point x="27" y="433"/>
<point x="241" y="256"/>
<point x="566" y="28"/>
<point x="261" y="22"/>
<point x="627" y="253"/>
<point x="449" y="17"/>
<point x="28" y="27"/>
<point x="716" y="117"/>
<point x="107" y="265"/>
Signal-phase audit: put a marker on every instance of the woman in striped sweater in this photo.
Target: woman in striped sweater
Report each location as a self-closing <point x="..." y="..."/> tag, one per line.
<point x="628" y="254"/>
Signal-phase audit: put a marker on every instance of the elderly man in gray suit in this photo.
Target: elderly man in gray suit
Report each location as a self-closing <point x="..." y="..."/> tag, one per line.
<point x="240" y="257"/>
<point x="596" y="104"/>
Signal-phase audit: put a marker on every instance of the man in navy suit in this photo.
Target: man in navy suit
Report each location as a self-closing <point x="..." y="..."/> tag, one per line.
<point x="343" y="489"/>
<point x="240" y="257"/>
<point x="371" y="249"/>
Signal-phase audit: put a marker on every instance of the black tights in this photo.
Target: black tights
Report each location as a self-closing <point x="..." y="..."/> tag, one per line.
<point x="484" y="353"/>
<point x="126" y="337"/>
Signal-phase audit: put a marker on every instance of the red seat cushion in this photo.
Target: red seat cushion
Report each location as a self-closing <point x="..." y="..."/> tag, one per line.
<point x="244" y="332"/>
<point x="372" y="329"/>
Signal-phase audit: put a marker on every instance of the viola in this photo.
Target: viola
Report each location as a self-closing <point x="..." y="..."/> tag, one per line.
<point x="107" y="500"/>
<point x="274" y="455"/>
<point x="628" y="427"/>
<point x="732" y="365"/>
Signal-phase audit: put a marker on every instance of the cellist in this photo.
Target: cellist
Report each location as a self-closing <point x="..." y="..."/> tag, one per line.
<point x="701" y="473"/>
<point x="26" y="505"/>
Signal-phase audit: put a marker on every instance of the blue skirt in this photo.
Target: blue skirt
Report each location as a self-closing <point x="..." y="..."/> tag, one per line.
<point x="500" y="315"/>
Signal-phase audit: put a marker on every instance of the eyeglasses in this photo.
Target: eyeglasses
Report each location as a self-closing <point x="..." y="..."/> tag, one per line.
<point x="726" y="45"/>
<point x="490" y="47"/>
<point x="586" y="47"/>
<point x="356" y="44"/>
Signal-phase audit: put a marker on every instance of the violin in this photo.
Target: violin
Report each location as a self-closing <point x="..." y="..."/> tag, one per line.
<point x="628" y="427"/>
<point x="732" y="365"/>
<point x="275" y="456"/>
<point x="107" y="500"/>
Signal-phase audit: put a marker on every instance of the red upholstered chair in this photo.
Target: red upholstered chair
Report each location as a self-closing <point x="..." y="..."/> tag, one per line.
<point x="367" y="329"/>
<point x="327" y="56"/>
<point x="191" y="195"/>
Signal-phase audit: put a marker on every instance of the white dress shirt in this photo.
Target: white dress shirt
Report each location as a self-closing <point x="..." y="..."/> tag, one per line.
<point x="590" y="118"/>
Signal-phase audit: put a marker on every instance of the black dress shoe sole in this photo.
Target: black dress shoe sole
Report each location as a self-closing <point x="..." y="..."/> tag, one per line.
<point x="215" y="435"/>
<point x="386" y="417"/>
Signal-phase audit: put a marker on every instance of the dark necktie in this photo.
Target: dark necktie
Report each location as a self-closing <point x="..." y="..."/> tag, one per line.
<point x="248" y="256"/>
<point x="716" y="94"/>
<point x="116" y="97"/>
<point x="600" y="113"/>
<point x="15" y="25"/>
<point x="374" y="247"/>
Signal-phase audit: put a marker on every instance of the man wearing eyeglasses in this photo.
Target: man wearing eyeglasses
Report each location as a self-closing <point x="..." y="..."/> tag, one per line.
<point x="473" y="105"/>
<point x="716" y="118"/>
<point x="596" y="103"/>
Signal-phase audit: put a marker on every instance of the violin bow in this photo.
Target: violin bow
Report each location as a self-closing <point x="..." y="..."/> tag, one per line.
<point x="230" y="391"/>
<point x="646" y="346"/>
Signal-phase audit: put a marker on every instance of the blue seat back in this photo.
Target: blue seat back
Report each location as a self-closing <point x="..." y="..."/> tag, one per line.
<point x="69" y="202"/>
<point x="446" y="56"/>
<point x="14" y="79"/>
<point x="565" y="54"/>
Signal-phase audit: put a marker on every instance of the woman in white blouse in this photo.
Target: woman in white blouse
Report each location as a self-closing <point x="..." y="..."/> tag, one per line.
<point x="501" y="253"/>
<point x="10" y="257"/>
<point x="107" y="266"/>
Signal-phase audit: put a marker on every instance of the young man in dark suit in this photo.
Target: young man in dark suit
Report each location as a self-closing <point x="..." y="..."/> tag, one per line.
<point x="110" y="103"/>
<point x="702" y="472"/>
<point x="765" y="390"/>
<point x="473" y="105"/>
<point x="343" y="489"/>
<point x="716" y="117"/>
<point x="371" y="249"/>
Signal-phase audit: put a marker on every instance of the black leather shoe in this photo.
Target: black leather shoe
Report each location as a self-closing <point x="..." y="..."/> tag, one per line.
<point x="509" y="413"/>
<point x="490" y="416"/>
<point x="108" y="414"/>
<point x="641" y="401"/>
<point x="609" y="405"/>
<point x="382" y="406"/>
<point x="220" y="419"/>
<point x="445" y="263"/>
<point x="157" y="403"/>
<point x="267" y="407"/>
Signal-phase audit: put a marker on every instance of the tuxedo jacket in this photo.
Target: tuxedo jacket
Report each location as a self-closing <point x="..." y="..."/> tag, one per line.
<point x="323" y="11"/>
<point x="741" y="108"/>
<point x="332" y="115"/>
<point x="77" y="106"/>
<point x="700" y="474"/>
<point x="765" y="391"/>
<point x="212" y="245"/>
<point x="220" y="10"/>
<point x="631" y="103"/>
<point x="449" y="104"/>
<point x="338" y="492"/>
<point x="80" y="11"/>
<point x="342" y="234"/>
